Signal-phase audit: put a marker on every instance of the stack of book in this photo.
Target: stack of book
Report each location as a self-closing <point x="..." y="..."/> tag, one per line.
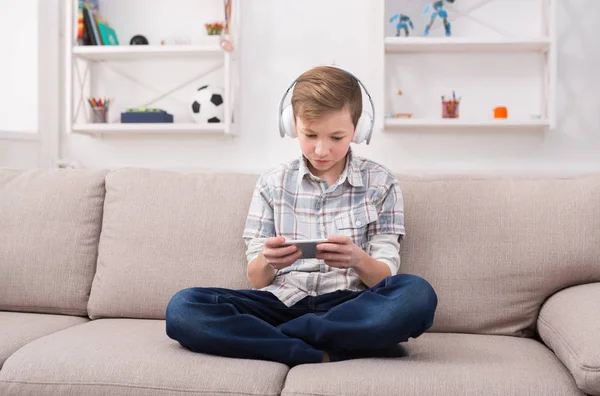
<point x="93" y="29"/>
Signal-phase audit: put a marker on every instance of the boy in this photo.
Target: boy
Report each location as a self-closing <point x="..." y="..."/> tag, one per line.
<point x="346" y="303"/>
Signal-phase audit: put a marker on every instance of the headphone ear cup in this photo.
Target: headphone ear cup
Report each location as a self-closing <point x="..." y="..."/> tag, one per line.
<point x="363" y="128"/>
<point x="287" y="121"/>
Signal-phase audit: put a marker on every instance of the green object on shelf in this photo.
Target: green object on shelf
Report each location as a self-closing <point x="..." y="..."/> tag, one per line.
<point x="143" y="110"/>
<point x="108" y="34"/>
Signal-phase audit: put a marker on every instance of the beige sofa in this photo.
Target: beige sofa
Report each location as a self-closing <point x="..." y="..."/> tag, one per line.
<point x="89" y="260"/>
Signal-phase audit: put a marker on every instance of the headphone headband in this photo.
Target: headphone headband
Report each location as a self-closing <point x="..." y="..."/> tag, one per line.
<point x="284" y="130"/>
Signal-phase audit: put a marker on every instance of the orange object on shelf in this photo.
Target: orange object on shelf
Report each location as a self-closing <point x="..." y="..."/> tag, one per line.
<point x="501" y="112"/>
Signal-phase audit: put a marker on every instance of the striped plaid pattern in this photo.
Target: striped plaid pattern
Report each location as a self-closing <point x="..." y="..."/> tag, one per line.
<point x="289" y="201"/>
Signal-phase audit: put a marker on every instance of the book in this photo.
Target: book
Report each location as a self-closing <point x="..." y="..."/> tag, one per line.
<point x="83" y="32"/>
<point x="93" y="32"/>
<point x="108" y="34"/>
<point x="89" y="31"/>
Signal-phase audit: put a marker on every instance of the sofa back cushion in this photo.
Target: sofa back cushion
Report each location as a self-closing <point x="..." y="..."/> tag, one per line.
<point x="50" y="224"/>
<point x="164" y="231"/>
<point x="495" y="248"/>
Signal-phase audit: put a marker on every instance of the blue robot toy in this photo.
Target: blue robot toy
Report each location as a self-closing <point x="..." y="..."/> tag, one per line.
<point x="404" y="22"/>
<point x="438" y="11"/>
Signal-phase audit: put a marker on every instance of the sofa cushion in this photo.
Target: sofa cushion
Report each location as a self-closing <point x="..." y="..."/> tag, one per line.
<point x="569" y="323"/>
<point x="18" y="329"/>
<point x="495" y="248"/>
<point x="50" y="223"/>
<point x="165" y="231"/>
<point x="442" y="364"/>
<point x="131" y="357"/>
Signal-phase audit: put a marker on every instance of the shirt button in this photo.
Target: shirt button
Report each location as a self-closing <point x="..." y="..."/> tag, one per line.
<point x="358" y="223"/>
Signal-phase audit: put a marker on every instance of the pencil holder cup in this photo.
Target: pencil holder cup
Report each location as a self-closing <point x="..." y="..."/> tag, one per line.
<point x="99" y="115"/>
<point x="450" y="109"/>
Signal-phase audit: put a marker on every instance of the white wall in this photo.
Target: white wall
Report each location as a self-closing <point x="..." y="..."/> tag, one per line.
<point x="18" y="83"/>
<point x="282" y="39"/>
<point x="29" y="82"/>
<point x="18" y="70"/>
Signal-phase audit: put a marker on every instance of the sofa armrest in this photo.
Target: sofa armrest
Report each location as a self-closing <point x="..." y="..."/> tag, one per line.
<point x="569" y="324"/>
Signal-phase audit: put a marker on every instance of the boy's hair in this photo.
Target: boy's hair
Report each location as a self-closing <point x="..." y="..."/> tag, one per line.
<point x="324" y="89"/>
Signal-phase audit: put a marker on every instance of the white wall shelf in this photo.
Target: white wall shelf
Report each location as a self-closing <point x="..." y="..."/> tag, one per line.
<point x="20" y="136"/>
<point x="464" y="44"/>
<point x="115" y="129"/>
<point x="486" y="61"/>
<point x="131" y="52"/>
<point x="412" y="123"/>
<point x="84" y="63"/>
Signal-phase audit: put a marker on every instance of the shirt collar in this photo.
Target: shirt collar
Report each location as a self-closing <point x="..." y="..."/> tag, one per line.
<point x="351" y="171"/>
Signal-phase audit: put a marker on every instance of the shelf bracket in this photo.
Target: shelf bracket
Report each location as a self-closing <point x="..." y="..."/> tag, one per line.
<point x="82" y="82"/>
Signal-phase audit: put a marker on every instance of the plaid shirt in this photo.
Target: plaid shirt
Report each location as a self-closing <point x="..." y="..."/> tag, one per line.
<point x="365" y="203"/>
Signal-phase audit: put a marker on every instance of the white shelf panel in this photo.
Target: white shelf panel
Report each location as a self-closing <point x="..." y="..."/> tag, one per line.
<point x="462" y="44"/>
<point x="19" y="136"/>
<point x="134" y="52"/>
<point x="415" y="123"/>
<point x="116" y="129"/>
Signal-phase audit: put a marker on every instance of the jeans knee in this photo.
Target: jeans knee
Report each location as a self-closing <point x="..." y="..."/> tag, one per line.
<point x="174" y="314"/>
<point x="427" y="296"/>
<point x="178" y="311"/>
<point x="421" y="293"/>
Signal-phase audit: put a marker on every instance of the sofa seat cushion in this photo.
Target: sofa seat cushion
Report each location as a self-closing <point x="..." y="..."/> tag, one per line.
<point x="18" y="329"/>
<point x="131" y="357"/>
<point x="442" y="365"/>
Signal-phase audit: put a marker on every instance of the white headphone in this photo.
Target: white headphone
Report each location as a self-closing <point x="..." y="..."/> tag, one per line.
<point x="363" y="130"/>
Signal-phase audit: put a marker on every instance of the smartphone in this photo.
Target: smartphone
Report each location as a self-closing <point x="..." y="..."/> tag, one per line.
<point x="307" y="246"/>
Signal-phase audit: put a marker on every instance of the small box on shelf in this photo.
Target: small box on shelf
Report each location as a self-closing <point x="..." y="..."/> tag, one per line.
<point x="143" y="116"/>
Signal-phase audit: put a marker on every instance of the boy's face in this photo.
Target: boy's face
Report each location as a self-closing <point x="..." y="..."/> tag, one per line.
<point x="325" y="141"/>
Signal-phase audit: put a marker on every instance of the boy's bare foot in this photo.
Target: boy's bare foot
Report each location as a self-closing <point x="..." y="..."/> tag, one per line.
<point x="325" y="357"/>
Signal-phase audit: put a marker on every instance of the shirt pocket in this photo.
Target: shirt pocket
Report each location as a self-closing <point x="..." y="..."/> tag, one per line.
<point x="354" y="223"/>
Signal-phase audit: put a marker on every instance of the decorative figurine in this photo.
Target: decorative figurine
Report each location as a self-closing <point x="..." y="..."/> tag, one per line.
<point x="404" y="22"/>
<point x="438" y="10"/>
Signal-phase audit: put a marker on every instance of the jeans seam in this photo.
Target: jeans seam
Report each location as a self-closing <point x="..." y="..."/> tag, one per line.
<point x="268" y="305"/>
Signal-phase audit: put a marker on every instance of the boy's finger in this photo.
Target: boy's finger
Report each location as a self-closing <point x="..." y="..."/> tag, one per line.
<point x="329" y="247"/>
<point x="285" y="260"/>
<point x="339" y="239"/>
<point x="274" y="242"/>
<point x="294" y="257"/>
<point x="281" y="252"/>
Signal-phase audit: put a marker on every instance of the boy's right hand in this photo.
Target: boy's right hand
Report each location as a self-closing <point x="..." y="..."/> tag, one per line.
<point x="278" y="256"/>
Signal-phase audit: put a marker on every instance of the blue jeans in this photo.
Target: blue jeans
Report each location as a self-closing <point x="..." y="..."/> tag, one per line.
<point x="254" y="324"/>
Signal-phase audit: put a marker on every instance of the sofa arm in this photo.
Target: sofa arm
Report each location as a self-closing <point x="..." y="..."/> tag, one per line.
<point x="569" y="324"/>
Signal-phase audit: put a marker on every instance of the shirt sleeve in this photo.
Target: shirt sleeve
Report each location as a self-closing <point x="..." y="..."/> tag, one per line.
<point x="386" y="248"/>
<point x="390" y="210"/>
<point x="260" y="224"/>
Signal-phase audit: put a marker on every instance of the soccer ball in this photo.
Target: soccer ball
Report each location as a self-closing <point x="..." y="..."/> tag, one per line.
<point x="207" y="105"/>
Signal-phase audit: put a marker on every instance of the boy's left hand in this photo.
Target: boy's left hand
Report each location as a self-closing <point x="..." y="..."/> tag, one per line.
<point x="340" y="252"/>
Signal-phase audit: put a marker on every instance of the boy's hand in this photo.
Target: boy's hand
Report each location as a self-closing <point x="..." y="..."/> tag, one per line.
<point x="340" y="252"/>
<point x="278" y="256"/>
